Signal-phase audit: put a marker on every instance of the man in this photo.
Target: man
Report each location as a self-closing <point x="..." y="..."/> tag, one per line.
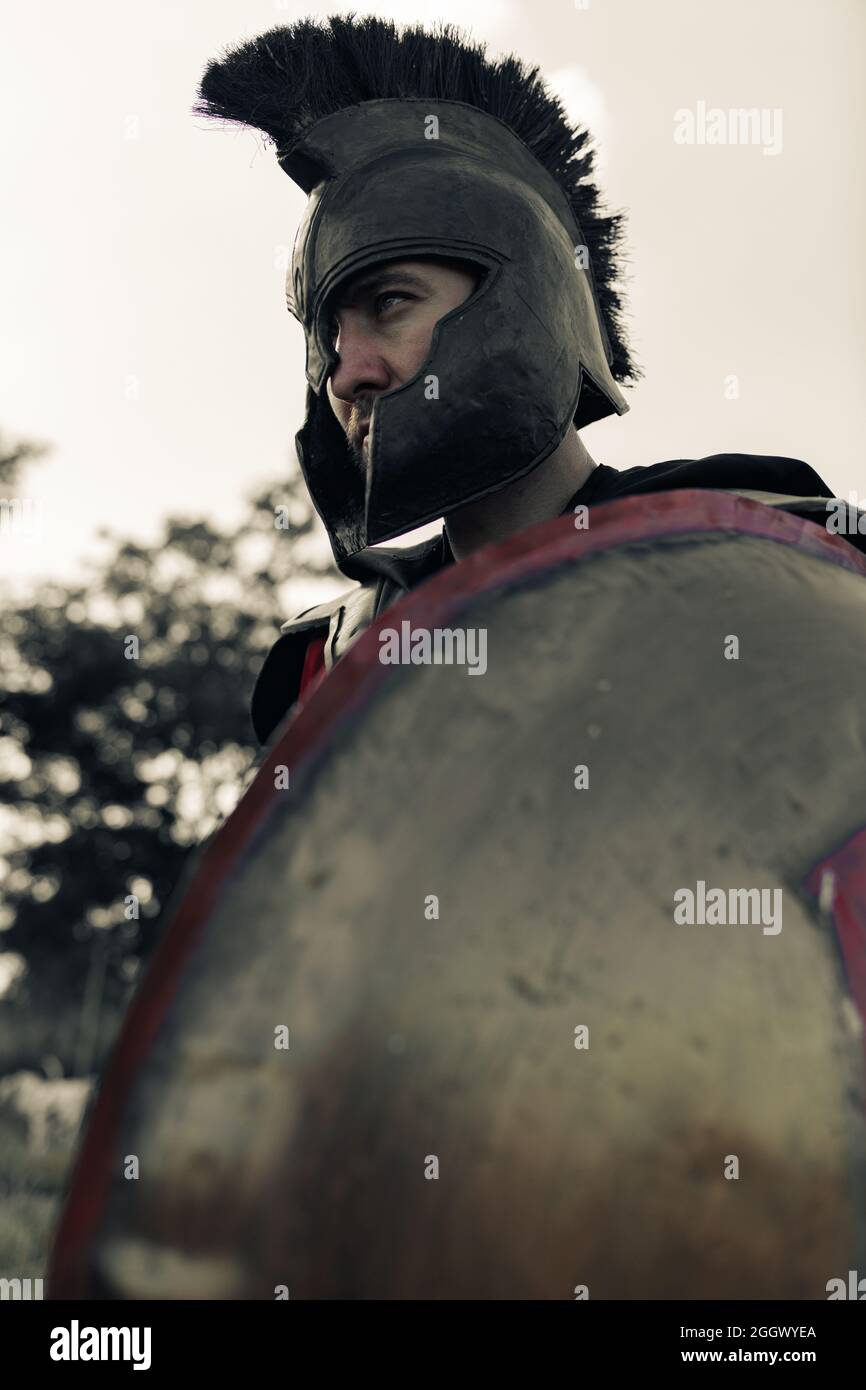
<point x="456" y="277"/>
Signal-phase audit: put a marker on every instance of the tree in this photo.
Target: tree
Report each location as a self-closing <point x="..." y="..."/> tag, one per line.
<point x="14" y="455"/>
<point x="124" y="740"/>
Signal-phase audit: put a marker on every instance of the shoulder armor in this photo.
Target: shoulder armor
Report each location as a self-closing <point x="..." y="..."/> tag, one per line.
<point x="340" y="620"/>
<point x="344" y="618"/>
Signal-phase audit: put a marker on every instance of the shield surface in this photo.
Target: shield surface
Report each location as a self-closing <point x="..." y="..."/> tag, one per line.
<point x="536" y="976"/>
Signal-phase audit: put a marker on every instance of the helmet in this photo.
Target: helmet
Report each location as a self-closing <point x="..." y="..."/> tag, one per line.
<point x="414" y="144"/>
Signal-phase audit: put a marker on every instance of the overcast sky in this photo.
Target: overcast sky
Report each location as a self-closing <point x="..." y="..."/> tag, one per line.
<point x="144" y="333"/>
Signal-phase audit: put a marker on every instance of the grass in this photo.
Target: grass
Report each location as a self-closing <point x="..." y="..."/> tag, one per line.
<point x="31" y="1189"/>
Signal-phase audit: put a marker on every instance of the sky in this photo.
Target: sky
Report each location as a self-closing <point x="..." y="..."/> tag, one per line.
<point x="144" y="335"/>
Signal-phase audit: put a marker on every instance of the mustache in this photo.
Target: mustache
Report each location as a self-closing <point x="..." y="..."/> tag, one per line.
<point x="359" y="416"/>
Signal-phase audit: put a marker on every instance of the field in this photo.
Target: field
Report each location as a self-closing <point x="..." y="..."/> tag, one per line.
<point x="37" y="1146"/>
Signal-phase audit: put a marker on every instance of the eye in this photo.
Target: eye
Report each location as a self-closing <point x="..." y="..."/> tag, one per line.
<point x="378" y="303"/>
<point x="381" y="299"/>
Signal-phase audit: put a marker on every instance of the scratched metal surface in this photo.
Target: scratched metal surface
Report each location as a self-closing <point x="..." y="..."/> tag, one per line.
<point x="454" y="1038"/>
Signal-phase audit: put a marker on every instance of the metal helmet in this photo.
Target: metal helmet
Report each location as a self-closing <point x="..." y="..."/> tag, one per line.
<point x="414" y="144"/>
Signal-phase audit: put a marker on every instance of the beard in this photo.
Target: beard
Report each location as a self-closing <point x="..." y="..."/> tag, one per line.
<point x="359" y="416"/>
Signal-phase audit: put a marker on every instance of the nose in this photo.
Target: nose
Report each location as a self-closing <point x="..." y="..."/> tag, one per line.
<point x="360" y="368"/>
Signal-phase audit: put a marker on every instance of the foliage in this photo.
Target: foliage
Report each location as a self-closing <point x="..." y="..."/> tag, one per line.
<point x="118" y="756"/>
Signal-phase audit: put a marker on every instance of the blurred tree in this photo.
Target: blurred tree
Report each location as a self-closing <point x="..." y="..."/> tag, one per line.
<point x="125" y="739"/>
<point x="14" y="454"/>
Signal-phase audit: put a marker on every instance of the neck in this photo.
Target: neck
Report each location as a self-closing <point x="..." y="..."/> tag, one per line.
<point x="539" y="496"/>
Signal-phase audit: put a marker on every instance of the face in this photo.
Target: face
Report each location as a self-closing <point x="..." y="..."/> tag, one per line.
<point x="382" y="324"/>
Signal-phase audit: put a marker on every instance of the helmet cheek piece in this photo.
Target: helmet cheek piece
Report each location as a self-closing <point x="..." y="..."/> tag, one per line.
<point x="340" y="492"/>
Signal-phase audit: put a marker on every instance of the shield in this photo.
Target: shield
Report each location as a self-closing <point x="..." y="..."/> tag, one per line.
<point x="535" y="973"/>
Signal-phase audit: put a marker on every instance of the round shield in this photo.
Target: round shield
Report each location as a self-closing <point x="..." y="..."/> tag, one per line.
<point x="532" y="965"/>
